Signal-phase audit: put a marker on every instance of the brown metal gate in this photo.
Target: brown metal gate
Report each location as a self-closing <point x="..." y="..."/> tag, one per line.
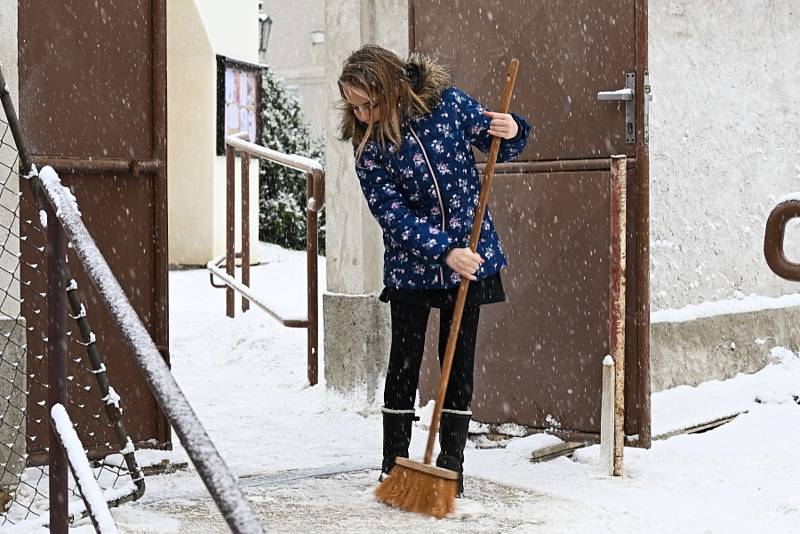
<point x="92" y="79"/>
<point x="539" y="355"/>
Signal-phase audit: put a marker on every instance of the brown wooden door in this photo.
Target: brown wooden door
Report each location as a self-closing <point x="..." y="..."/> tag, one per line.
<point x="539" y="355"/>
<point x="92" y="79"/>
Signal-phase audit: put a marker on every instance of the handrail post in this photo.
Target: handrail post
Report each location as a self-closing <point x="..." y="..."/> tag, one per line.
<point x="56" y="369"/>
<point x="311" y="273"/>
<point x="230" y="221"/>
<point x="315" y="199"/>
<point x="245" y="226"/>
<point x="616" y="309"/>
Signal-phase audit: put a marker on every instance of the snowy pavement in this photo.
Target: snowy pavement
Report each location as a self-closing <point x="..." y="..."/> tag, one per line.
<point x="246" y="380"/>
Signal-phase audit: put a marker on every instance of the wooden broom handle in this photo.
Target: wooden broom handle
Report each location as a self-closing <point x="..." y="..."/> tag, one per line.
<point x="474" y="237"/>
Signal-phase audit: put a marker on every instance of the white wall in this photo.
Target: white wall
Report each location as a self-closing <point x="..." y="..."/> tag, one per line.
<point x="191" y="130"/>
<point x="198" y="30"/>
<point x="232" y="27"/>
<point x="292" y="56"/>
<point x="8" y="45"/>
<point x="8" y="59"/>
<point x="725" y="126"/>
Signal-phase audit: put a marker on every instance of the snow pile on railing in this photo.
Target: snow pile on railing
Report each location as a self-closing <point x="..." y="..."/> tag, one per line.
<point x="789" y="197"/>
<point x="92" y="494"/>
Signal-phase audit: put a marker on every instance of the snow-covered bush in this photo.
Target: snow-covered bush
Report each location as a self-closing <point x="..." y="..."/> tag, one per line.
<point x="282" y="191"/>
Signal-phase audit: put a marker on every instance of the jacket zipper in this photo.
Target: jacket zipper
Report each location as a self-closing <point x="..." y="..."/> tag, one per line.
<point x="438" y="192"/>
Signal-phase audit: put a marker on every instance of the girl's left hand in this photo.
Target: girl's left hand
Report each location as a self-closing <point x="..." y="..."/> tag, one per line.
<point x="503" y="125"/>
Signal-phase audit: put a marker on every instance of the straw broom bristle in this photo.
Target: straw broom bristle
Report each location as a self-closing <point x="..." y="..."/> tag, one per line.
<point x="419" y="487"/>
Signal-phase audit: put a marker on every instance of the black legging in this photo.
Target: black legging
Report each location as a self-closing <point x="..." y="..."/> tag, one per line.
<point x="409" y="322"/>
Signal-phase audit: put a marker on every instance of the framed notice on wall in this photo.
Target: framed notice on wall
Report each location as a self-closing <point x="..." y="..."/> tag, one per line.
<point x="238" y="100"/>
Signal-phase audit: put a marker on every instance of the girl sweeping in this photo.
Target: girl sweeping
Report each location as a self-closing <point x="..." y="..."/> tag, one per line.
<point x="412" y="134"/>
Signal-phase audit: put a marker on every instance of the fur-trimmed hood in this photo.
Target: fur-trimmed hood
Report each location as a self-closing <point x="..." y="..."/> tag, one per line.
<point x="419" y="91"/>
<point x="428" y="79"/>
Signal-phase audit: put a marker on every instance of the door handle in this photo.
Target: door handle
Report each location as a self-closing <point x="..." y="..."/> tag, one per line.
<point x="620" y="94"/>
<point x="627" y="94"/>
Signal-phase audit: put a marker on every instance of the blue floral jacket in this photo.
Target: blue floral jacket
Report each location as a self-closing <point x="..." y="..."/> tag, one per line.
<point x="424" y="194"/>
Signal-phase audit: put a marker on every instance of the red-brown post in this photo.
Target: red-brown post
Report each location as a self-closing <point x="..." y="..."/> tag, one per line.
<point x="245" y="226"/>
<point x="230" y="221"/>
<point x="773" y="239"/>
<point x="311" y="266"/>
<point x="617" y="303"/>
<point x="57" y="370"/>
<point x="640" y="259"/>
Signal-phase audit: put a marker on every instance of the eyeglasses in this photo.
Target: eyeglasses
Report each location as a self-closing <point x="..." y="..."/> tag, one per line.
<point x="366" y="107"/>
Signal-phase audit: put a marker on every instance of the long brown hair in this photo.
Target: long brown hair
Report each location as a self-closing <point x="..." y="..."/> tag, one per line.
<point x="383" y="76"/>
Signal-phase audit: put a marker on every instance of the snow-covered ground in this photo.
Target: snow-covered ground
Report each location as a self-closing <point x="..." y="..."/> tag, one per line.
<point x="306" y="456"/>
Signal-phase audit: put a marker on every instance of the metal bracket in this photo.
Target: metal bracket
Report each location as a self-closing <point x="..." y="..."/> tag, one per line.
<point x="627" y="95"/>
<point x="648" y="97"/>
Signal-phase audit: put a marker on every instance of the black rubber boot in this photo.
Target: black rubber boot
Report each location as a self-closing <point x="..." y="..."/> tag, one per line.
<point x="453" y="432"/>
<point x="396" y="437"/>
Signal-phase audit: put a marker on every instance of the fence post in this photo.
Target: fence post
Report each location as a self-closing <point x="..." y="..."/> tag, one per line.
<point x="607" y="416"/>
<point x="617" y="303"/>
<point x="311" y="273"/>
<point x="245" y="226"/>
<point x="230" y="221"/>
<point x="56" y="369"/>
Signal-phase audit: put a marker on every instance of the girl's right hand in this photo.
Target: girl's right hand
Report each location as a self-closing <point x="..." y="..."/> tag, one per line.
<point x="464" y="262"/>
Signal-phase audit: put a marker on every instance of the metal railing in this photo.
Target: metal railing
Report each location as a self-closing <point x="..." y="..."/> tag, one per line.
<point x="787" y="209"/>
<point x="315" y="195"/>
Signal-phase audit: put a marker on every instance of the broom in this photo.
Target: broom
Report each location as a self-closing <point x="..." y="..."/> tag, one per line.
<point x="419" y="486"/>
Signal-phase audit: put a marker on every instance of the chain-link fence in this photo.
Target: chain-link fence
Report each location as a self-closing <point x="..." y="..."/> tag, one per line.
<point x="47" y="363"/>
<point x="27" y="379"/>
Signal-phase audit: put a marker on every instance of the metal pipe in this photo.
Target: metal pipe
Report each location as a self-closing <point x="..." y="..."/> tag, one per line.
<point x="158" y="132"/>
<point x="317" y="199"/>
<point x="774" y="237"/>
<point x="616" y="308"/>
<point x="13" y="123"/>
<point x="56" y="370"/>
<point x="640" y="270"/>
<point x="230" y="221"/>
<point x="554" y="166"/>
<point x="246" y="292"/>
<point x="75" y="165"/>
<point x="245" y="226"/>
<point x="293" y="161"/>
<point x="312" y="364"/>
